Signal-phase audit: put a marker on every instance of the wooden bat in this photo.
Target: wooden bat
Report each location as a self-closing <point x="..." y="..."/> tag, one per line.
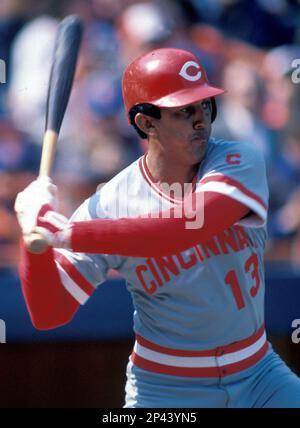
<point x="66" y="50"/>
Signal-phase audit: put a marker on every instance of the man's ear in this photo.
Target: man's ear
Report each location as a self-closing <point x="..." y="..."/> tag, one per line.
<point x="145" y="123"/>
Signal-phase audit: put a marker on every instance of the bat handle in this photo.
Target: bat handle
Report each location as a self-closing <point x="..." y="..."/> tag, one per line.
<point x="48" y="152"/>
<point x="35" y="242"/>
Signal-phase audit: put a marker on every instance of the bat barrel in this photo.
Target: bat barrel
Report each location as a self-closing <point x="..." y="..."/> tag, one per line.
<point x="66" y="49"/>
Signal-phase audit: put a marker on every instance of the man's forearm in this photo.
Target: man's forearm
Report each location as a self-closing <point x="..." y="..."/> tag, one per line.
<point x="48" y="303"/>
<point x="151" y="237"/>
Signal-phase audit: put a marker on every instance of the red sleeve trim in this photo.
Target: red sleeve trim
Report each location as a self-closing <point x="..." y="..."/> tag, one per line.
<point x="73" y="273"/>
<point x="233" y="182"/>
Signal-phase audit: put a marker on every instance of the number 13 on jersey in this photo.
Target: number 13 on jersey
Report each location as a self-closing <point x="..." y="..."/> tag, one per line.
<point x="251" y="268"/>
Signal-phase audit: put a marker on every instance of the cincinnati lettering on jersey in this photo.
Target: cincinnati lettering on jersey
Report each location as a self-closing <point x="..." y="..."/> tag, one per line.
<point x="156" y="271"/>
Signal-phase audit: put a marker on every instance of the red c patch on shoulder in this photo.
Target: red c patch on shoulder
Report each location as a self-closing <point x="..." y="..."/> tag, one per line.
<point x="233" y="158"/>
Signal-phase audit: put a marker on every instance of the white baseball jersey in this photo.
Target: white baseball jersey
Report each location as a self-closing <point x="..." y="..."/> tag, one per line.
<point x="209" y="295"/>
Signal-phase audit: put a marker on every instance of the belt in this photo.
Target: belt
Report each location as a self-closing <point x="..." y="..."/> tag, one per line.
<point x="218" y="362"/>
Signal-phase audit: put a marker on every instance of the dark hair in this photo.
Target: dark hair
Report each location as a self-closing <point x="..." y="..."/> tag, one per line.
<point x="149" y="110"/>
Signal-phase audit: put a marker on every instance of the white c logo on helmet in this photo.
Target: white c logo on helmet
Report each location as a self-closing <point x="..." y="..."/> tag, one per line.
<point x="185" y="75"/>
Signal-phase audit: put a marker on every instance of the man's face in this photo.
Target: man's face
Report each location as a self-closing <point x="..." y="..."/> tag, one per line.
<point x="184" y="131"/>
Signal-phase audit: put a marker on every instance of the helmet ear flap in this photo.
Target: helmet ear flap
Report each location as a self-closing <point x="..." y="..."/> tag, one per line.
<point x="213" y="109"/>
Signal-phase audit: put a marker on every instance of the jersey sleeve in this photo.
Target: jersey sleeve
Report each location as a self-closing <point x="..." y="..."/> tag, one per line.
<point x="238" y="170"/>
<point x="81" y="273"/>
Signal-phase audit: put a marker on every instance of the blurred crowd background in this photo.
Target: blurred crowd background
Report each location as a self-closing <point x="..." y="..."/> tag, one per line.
<point x="246" y="46"/>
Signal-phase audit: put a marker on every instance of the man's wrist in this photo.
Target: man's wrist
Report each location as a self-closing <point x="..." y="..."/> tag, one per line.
<point x="62" y="238"/>
<point x="59" y="239"/>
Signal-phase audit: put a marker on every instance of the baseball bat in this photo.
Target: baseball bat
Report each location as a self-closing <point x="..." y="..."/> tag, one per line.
<point x="66" y="50"/>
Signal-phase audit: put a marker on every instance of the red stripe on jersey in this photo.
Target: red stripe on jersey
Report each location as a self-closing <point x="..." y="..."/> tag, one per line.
<point x="222" y="371"/>
<point x="171" y="370"/>
<point x="237" y="346"/>
<point x="247" y="362"/>
<point x="150" y="180"/>
<point x="74" y="274"/>
<point x="155" y="186"/>
<point x="233" y="182"/>
<point x="169" y="351"/>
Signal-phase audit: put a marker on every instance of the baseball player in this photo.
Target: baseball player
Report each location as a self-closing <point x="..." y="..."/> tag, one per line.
<point x="185" y="225"/>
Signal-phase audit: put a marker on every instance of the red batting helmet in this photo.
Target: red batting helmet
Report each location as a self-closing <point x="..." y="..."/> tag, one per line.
<point x="167" y="78"/>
